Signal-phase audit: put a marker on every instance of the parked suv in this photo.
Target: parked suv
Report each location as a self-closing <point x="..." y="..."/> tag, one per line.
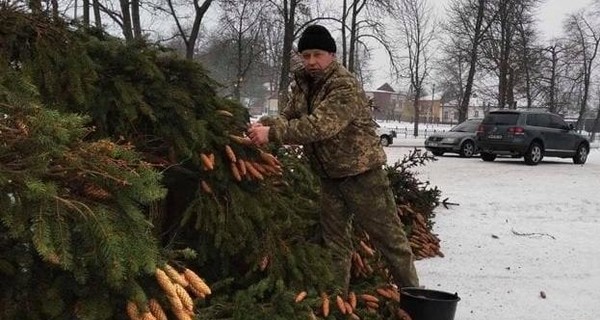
<point x="531" y="135"/>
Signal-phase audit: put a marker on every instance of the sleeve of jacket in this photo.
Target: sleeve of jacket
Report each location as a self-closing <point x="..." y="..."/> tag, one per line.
<point x="328" y="118"/>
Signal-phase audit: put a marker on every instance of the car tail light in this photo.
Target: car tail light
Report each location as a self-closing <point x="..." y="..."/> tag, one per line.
<point x="480" y="129"/>
<point x="516" y="130"/>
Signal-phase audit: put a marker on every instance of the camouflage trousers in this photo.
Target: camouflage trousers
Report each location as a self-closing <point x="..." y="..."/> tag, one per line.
<point x="365" y="200"/>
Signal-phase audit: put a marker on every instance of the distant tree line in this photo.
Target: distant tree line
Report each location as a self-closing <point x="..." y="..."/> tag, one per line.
<point x="492" y="47"/>
<point x="488" y="48"/>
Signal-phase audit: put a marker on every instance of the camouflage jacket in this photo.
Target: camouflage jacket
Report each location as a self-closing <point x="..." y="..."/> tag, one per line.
<point x="333" y="123"/>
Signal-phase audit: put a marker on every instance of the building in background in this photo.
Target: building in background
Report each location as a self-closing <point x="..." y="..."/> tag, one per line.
<point x="477" y="109"/>
<point x="430" y="109"/>
<point x="387" y="103"/>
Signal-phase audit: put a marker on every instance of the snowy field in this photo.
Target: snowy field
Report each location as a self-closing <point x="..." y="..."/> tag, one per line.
<point x="519" y="233"/>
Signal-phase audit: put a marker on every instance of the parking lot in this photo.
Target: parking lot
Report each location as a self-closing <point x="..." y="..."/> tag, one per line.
<point x="520" y="233"/>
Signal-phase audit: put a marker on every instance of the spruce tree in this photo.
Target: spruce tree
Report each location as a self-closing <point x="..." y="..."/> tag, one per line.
<point x="74" y="231"/>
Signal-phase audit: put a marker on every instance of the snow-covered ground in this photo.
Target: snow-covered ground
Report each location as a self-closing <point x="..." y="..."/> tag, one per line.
<point x="518" y="231"/>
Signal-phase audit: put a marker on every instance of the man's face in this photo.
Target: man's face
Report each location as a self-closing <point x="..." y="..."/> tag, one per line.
<point x="316" y="60"/>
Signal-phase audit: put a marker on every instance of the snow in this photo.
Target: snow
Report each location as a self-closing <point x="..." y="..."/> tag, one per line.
<point x="518" y="231"/>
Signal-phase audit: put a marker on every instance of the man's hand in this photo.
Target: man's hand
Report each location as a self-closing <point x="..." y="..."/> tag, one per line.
<point x="259" y="134"/>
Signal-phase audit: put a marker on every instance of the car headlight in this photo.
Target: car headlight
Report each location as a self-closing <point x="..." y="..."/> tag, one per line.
<point x="449" y="140"/>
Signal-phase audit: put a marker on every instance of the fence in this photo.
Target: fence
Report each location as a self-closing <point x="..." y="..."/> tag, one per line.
<point x="408" y="132"/>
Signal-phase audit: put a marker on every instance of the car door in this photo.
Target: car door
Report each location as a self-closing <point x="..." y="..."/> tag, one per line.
<point x="565" y="139"/>
<point x="542" y="123"/>
<point x="538" y="125"/>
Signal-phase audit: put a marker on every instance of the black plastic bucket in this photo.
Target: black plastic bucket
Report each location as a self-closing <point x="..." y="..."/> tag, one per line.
<point x="425" y="304"/>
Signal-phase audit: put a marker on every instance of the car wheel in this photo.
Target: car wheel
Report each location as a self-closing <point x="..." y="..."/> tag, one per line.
<point x="467" y="149"/>
<point x="580" y="156"/>
<point x="438" y="153"/>
<point x="385" y="141"/>
<point x="488" y="156"/>
<point x="534" y="154"/>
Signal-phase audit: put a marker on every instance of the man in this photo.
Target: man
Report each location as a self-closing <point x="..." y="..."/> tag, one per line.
<point x="328" y="113"/>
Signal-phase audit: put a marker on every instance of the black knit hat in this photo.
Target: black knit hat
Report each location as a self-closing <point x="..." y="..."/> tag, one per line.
<point x="316" y="37"/>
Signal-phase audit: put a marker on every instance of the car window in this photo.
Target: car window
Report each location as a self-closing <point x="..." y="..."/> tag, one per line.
<point x="501" y="118"/>
<point x="467" y="126"/>
<point x="532" y="120"/>
<point x="538" y="120"/>
<point x="557" y="122"/>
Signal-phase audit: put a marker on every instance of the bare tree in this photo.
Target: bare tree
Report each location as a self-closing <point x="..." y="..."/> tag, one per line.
<point x="501" y="52"/>
<point x="86" y="6"/>
<point x="86" y="12"/>
<point x="552" y="66"/>
<point x="287" y="11"/>
<point x="241" y="25"/>
<point x="505" y="67"/>
<point x="467" y="29"/>
<point x="418" y="31"/>
<point x="361" y="20"/>
<point x="361" y="61"/>
<point x="585" y="40"/>
<point x="126" y="20"/>
<point x="136" y="24"/>
<point x="596" y="123"/>
<point x="561" y="81"/>
<point x="126" y="16"/>
<point x="528" y="55"/>
<point x="97" y="16"/>
<point x="272" y="38"/>
<point x="188" y="34"/>
<point x="451" y="71"/>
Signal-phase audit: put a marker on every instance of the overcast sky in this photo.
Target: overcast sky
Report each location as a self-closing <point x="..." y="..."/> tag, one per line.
<point x="551" y="14"/>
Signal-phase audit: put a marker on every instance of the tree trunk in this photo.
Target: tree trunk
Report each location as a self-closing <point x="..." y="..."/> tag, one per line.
<point x="86" y="13"/>
<point x="596" y="126"/>
<point x="353" y="31"/>
<point x="588" y="65"/>
<point x="135" y="19"/>
<point x="190" y="45"/>
<point x="584" y="99"/>
<point x="510" y="92"/>
<point x="55" y="14"/>
<point x="126" y="16"/>
<point x="97" y="16"/>
<point x="288" y="38"/>
<point x="505" y="50"/>
<point x="237" y="92"/>
<point x="463" y="109"/>
<point x="344" y="40"/>
<point x="528" y="86"/>
<point x="552" y="98"/>
<point x="417" y="112"/>
<point x="526" y="63"/>
<point x="502" y="79"/>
